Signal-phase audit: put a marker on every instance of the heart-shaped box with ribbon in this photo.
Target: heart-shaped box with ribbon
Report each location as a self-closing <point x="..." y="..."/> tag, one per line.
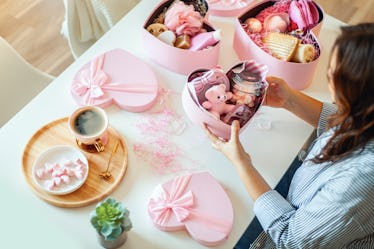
<point x="116" y="77"/>
<point x="259" y="20"/>
<point x="196" y="203"/>
<point x="182" y="61"/>
<point x="245" y="80"/>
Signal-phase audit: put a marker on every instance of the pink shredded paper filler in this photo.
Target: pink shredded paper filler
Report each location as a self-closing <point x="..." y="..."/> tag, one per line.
<point x="158" y="130"/>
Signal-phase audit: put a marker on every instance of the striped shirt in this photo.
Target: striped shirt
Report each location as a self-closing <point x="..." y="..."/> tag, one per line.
<point x="329" y="205"/>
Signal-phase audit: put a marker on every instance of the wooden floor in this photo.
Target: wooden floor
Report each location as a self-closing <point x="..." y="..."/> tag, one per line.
<point x="32" y="27"/>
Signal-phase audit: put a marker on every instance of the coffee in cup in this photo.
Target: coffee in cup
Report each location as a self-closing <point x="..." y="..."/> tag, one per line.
<point x="89" y="126"/>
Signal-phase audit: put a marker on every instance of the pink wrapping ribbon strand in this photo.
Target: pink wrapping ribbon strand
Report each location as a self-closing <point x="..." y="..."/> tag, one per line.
<point x="229" y="2"/>
<point x="253" y="67"/>
<point x="180" y="203"/>
<point x="211" y="77"/>
<point x="92" y="83"/>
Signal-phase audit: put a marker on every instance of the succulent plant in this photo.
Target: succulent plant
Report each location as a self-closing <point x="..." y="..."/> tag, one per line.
<point x="110" y="219"/>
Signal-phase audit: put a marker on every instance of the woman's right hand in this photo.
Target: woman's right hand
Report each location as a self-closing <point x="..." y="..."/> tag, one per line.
<point x="278" y="93"/>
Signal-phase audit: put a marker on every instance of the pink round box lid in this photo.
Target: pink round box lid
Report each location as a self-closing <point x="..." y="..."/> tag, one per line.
<point x="227" y="7"/>
<point x="116" y="77"/>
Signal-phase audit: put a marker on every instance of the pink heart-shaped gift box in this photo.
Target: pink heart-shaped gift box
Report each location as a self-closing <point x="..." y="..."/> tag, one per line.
<point x="196" y="203"/>
<point x="182" y="61"/>
<point x="116" y="77"/>
<point x="199" y="115"/>
<point x="298" y="75"/>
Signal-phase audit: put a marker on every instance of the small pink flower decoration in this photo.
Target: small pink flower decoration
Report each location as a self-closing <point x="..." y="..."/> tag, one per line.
<point x="183" y="19"/>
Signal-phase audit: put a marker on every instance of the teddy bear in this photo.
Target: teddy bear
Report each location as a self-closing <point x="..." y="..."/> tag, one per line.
<point x="216" y="100"/>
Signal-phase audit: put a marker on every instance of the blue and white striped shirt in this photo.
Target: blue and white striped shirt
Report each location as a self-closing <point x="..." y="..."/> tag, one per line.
<point x="329" y="205"/>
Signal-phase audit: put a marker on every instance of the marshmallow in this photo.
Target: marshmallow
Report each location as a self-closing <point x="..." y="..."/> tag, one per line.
<point x="168" y="37"/>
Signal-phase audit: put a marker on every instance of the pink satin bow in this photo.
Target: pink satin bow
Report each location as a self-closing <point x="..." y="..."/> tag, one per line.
<point x="181" y="203"/>
<point x="93" y="83"/>
<point x="177" y="202"/>
<point x="211" y="77"/>
<point x="252" y="67"/>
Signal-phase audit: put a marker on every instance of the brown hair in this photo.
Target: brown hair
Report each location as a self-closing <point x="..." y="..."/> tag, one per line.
<point x="353" y="80"/>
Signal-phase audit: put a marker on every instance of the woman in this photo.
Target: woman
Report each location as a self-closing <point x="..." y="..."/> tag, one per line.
<point x="330" y="202"/>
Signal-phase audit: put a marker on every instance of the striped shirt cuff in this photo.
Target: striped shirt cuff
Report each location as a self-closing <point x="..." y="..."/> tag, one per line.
<point x="327" y="110"/>
<point x="269" y="207"/>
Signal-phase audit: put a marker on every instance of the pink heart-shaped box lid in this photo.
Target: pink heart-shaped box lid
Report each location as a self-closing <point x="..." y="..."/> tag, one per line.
<point x="195" y="202"/>
<point x="116" y="77"/>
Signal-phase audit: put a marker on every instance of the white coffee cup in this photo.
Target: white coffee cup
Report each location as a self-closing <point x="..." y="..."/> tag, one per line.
<point x="89" y="126"/>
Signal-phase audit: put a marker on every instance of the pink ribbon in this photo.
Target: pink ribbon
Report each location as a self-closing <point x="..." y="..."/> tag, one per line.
<point x="211" y="77"/>
<point x="252" y="67"/>
<point x="177" y="202"/>
<point x="238" y="3"/>
<point x="93" y="83"/>
<point x="181" y="204"/>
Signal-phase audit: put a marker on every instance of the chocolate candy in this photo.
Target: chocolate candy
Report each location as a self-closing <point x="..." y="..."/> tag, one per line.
<point x="183" y="41"/>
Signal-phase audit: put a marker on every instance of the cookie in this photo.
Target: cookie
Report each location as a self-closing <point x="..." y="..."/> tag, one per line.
<point x="304" y="53"/>
<point x="281" y="46"/>
<point x="156" y="28"/>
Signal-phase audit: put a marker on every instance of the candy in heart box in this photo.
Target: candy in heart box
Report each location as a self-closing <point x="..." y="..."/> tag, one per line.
<point x="164" y="51"/>
<point x="218" y="98"/>
<point x="277" y="34"/>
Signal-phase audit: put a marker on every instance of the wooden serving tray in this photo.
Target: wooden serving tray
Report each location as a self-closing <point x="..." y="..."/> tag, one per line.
<point x="95" y="188"/>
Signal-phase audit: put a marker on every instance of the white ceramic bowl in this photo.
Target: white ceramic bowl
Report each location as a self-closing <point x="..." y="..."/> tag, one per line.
<point x="59" y="154"/>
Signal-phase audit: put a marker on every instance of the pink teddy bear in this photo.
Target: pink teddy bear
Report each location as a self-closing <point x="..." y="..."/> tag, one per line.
<point x="216" y="100"/>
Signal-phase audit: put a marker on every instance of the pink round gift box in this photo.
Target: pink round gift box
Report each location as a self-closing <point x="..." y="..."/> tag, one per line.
<point x="298" y="75"/>
<point x="178" y="60"/>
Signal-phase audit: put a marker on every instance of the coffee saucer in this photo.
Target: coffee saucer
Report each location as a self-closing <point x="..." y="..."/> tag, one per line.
<point x="91" y="148"/>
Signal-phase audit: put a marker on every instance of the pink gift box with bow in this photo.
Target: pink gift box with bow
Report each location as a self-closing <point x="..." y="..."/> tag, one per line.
<point x="298" y="75"/>
<point x="116" y="77"/>
<point x="182" y="61"/>
<point x="196" y="203"/>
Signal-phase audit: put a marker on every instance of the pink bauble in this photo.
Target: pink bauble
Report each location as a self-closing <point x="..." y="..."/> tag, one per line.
<point x="277" y="22"/>
<point x="253" y="25"/>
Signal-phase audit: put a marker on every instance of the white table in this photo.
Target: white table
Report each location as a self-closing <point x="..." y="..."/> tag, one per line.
<point x="29" y="222"/>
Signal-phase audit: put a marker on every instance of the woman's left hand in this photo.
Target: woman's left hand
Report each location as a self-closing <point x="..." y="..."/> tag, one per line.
<point x="232" y="148"/>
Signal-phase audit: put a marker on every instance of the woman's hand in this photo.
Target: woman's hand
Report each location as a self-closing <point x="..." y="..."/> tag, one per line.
<point x="278" y="93"/>
<point x="232" y="148"/>
<point x="234" y="151"/>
